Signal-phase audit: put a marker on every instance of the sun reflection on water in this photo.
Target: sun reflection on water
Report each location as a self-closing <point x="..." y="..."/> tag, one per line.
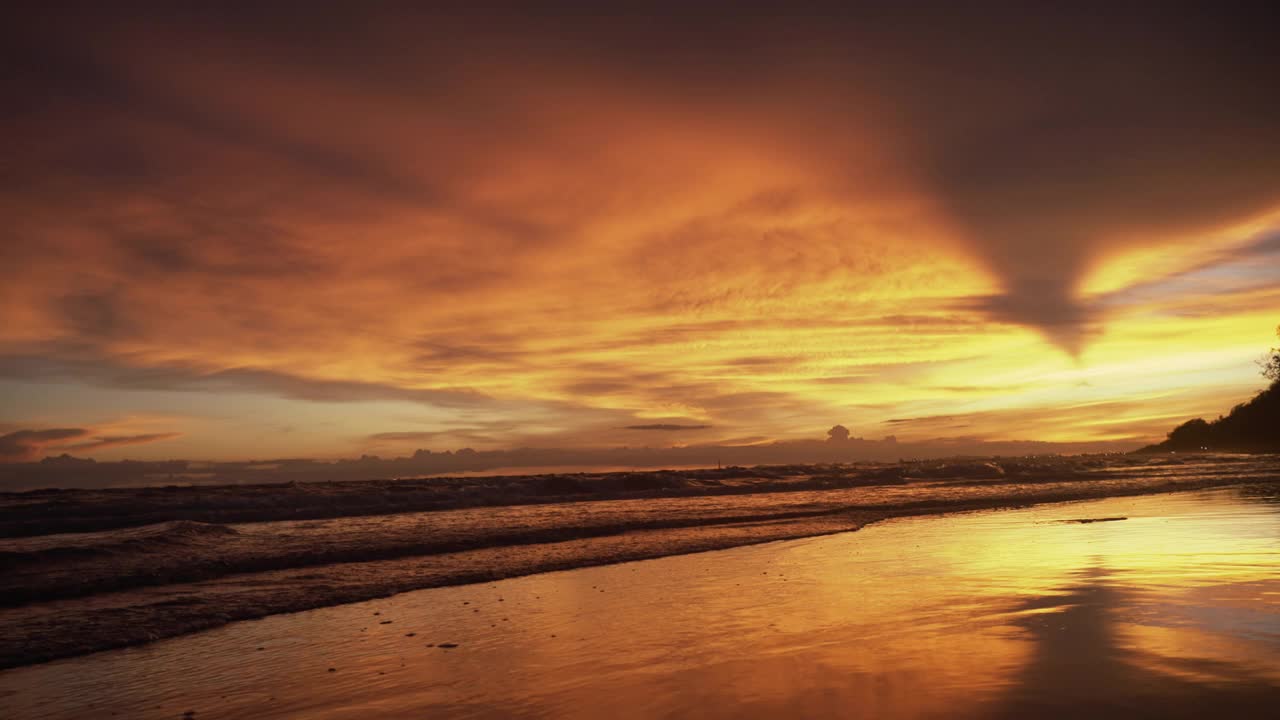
<point x="1169" y="611"/>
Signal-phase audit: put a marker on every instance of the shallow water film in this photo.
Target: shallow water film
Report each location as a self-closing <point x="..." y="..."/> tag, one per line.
<point x="1152" y="606"/>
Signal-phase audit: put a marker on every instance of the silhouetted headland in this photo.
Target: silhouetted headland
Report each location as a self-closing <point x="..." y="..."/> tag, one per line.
<point x="1250" y="427"/>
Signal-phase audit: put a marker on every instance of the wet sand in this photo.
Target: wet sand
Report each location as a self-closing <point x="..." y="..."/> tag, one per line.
<point x="1167" y="606"/>
<point x="71" y="593"/>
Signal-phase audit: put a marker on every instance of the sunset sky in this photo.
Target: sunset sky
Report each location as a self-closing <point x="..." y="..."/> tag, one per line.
<point x="303" y="232"/>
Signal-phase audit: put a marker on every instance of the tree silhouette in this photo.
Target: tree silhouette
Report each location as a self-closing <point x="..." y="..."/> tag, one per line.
<point x="1252" y="426"/>
<point x="1271" y="363"/>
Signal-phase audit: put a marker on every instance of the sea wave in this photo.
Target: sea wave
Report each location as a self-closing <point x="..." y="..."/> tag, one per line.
<point x="42" y="512"/>
<point x="162" y="537"/>
<point x="141" y="582"/>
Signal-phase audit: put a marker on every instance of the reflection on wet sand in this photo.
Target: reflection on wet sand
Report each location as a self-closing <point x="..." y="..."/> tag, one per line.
<point x="1168" y="613"/>
<point x="1083" y="665"/>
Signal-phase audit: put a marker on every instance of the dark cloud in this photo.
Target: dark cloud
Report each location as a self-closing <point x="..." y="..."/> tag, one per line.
<point x="666" y="426"/>
<point x="481" y="436"/>
<point x="1236" y="271"/>
<point x="600" y="216"/>
<point x="927" y="418"/>
<point x="25" y="445"/>
<point x="985" y="389"/>
<point x="1056" y="137"/>
<point x="96" y="315"/>
<point x="473" y="350"/>
<point x="746" y="451"/>
<point x="1264" y="245"/>
<point x="326" y="390"/>
<point x="29" y="445"/>
<point x="1104" y="419"/>
<point x="105" y="372"/>
<point x="1050" y="134"/>
<point x="597" y="387"/>
<point x="1049" y="307"/>
<point x="102" y="442"/>
<point x="405" y="436"/>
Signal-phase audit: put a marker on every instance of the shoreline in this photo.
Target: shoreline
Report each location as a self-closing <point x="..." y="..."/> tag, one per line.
<point x="36" y="512"/>
<point x="972" y="614"/>
<point x="39" y="632"/>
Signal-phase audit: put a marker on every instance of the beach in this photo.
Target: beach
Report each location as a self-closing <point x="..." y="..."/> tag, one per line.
<point x="1159" y="605"/>
<point x="593" y="361"/>
<point x="174" y="562"/>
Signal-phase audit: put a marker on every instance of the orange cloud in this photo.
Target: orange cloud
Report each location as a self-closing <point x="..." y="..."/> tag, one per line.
<point x="627" y="223"/>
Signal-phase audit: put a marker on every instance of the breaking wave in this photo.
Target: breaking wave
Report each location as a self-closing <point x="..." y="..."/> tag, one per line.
<point x="165" y="561"/>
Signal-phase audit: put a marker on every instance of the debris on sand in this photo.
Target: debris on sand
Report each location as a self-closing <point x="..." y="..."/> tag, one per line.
<point x="1086" y="521"/>
<point x="448" y="645"/>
